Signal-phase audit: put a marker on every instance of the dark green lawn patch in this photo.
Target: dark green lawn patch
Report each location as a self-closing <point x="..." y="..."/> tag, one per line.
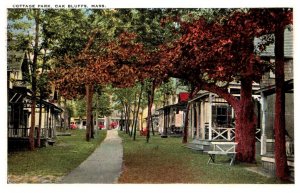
<point x="167" y="161"/>
<point x="66" y="154"/>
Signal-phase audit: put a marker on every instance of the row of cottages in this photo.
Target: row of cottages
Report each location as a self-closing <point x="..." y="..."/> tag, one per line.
<point x="19" y="105"/>
<point x="210" y="116"/>
<point x="115" y="120"/>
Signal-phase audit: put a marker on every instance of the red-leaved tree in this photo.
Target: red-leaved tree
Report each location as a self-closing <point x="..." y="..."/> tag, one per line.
<point x="276" y="21"/>
<point x="99" y="63"/>
<point x="213" y="54"/>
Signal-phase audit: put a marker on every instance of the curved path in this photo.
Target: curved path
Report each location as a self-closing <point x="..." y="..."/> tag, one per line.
<point x="104" y="165"/>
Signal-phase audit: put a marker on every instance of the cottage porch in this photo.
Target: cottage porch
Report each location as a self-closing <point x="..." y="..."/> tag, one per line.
<point x="171" y="119"/>
<point x="19" y="116"/>
<point x="267" y="124"/>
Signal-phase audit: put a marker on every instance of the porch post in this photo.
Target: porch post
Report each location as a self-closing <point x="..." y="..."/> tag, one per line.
<point x="165" y="122"/>
<point x="263" y="139"/>
<point x="46" y="121"/>
<point x="192" y="120"/>
<point x="209" y="112"/>
<point x="168" y="119"/>
<point x="197" y="121"/>
<point x="201" y="120"/>
<point x="52" y="123"/>
<point x="159" y="122"/>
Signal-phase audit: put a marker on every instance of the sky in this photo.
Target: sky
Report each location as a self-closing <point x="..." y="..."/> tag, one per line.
<point x="134" y="4"/>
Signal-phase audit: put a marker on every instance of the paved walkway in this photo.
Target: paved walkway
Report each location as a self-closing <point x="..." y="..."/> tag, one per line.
<point x="104" y="165"/>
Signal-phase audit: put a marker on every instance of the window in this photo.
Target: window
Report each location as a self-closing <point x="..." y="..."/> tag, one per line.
<point x="222" y="116"/>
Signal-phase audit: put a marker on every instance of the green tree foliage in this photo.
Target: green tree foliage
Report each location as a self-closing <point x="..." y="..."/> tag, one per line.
<point x="80" y="108"/>
<point x="166" y="89"/>
<point x="30" y="44"/>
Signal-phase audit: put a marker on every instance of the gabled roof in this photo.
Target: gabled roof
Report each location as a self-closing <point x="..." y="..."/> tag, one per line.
<point x="205" y="94"/>
<point x="180" y="106"/>
<point x="20" y="97"/>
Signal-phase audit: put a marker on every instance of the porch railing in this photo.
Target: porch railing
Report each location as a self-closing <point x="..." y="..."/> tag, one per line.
<point x="289" y="147"/>
<point x="221" y="133"/>
<point x="24" y="133"/>
<point x="228" y="134"/>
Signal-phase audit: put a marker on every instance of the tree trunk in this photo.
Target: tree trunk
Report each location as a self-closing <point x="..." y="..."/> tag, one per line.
<point x="92" y="126"/>
<point x="66" y="116"/>
<point x="148" y="118"/>
<point x="89" y="104"/>
<point x="33" y="75"/>
<point x="152" y="128"/>
<point x="186" y="123"/>
<point x="279" y="121"/>
<point x="137" y="114"/>
<point x="122" y="121"/>
<point x="129" y="122"/>
<point x="134" y="115"/>
<point x="125" y="118"/>
<point x="150" y="102"/>
<point x="33" y="104"/>
<point x="40" y="124"/>
<point x="245" y="124"/>
<point x="40" y="101"/>
<point x="245" y="118"/>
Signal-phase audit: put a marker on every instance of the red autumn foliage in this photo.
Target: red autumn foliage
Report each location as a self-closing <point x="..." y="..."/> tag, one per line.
<point x="119" y="61"/>
<point x="114" y="62"/>
<point x="212" y="54"/>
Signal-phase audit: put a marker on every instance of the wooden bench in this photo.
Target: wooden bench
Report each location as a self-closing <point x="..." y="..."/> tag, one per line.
<point x="222" y="148"/>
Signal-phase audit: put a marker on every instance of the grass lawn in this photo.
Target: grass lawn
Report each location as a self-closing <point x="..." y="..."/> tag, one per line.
<point x="49" y="164"/>
<point x="164" y="160"/>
